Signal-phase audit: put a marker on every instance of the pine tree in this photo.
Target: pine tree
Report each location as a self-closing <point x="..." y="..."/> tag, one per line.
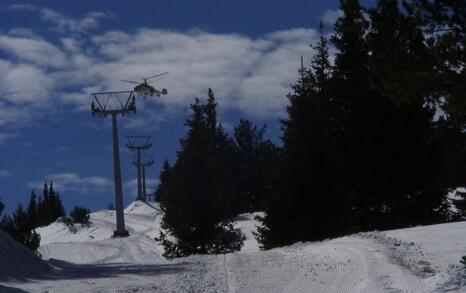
<point x="49" y="206"/>
<point x="418" y="58"/>
<point x="45" y="207"/>
<point x="32" y="210"/>
<point x="256" y="156"/>
<point x="162" y="189"/>
<point x="198" y="195"/>
<point x="80" y="215"/>
<point x="431" y="37"/>
<point x="59" y="208"/>
<point x="400" y="60"/>
<point x="2" y="206"/>
<point x="307" y="201"/>
<point x="373" y="131"/>
<point x="52" y="203"/>
<point x="20" y="228"/>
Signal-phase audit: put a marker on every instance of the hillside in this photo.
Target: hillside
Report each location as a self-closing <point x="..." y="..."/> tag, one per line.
<point x="94" y="244"/>
<point x="17" y="263"/>
<point x="420" y="259"/>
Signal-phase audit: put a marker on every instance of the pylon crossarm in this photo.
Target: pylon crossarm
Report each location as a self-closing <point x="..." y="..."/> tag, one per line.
<point x="112" y="103"/>
<point x="138" y="142"/>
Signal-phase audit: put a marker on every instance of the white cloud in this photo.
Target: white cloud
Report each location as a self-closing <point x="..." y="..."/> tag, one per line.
<point x="252" y="75"/>
<point x="32" y="49"/>
<point x="5" y="173"/>
<point x="74" y="182"/>
<point x="23" y="6"/>
<point x="13" y="116"/>
<point x="25" y="83"/>
<point x="331" y="16"/>
<point x="64" y="23"/>
<point x="6" y="136"/>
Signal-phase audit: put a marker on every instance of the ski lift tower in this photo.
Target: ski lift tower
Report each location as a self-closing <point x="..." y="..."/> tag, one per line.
<point x="138" y="144"/>
<point x="146" y="161"/>
<point x="114" y="104"/>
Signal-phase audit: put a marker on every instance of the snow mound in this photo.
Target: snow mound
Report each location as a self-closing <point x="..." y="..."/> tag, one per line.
<point x="94" y="243"/>
<point x="16" y="261"/>
<point x="143" y="209"/>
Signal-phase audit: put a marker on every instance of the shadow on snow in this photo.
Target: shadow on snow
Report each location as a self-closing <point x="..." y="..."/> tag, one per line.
<point x="62" y="270"/>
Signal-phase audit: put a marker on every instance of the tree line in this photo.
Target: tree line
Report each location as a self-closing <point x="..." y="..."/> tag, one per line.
<point x="372" y="140"/>
<point x="40" y="211"/>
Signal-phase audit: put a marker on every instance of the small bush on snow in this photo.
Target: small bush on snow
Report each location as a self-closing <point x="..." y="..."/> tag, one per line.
<point x="80" y="215"/>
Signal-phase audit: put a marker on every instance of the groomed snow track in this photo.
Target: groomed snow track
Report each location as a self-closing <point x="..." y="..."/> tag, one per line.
<point x="407" y="260"/>
<point x="349" y="264"/>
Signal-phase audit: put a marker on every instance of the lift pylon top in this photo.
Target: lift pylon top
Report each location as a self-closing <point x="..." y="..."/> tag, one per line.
<point x="135" y="142"/>
<point x="105" y="103"/>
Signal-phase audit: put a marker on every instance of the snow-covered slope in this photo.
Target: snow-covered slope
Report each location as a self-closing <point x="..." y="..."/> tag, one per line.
<point x="16" y="261"/>
<point x="94" y="244"/>
<point x="421" y="259"/>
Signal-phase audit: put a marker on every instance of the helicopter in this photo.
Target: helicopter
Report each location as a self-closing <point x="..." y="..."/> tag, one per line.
<point x="145" y="89"/>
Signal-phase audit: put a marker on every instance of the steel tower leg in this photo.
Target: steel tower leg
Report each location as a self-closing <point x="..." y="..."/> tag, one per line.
<point x="144" y="182"/>
<point x="140" y="195"/>
<point x="120" y="216"/>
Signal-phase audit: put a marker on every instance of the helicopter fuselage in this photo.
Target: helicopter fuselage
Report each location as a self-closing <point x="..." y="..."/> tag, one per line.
<point x="146" y="90"/>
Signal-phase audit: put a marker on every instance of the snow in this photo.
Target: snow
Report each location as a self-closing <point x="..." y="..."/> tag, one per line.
<point x="247" y="224"/>
<point x="419" y="259"/>
<point x="94" y="244"/>
<point x="11" y="255"/>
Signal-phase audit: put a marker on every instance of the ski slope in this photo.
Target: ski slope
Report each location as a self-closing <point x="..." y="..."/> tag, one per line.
<point x="420" y="259"/>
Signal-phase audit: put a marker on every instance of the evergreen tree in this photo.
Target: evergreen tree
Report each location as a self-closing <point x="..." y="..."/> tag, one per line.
<point x="400" y="62"/>
<point x="432" y="40"/>
<point x="32" y="210"/>
<point x="45" y="207"/>
<point x="374" y="131"/>
<point x="80" y="215"/>
<point x="360" y="115"/>
<point x="308" y="202"/>
<point x="164" y="178"/>
<point x="21" y="229"/>
<point x="59" y="208"/>
<point x="2" y="206"/>
<point x="52" y="203"/>
<point x="198" y="195"/>
<point x="255" y="159"/>
<point x="49" y="206"/>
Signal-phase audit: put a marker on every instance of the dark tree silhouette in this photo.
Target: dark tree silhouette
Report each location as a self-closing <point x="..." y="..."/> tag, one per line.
<point x="307" y="201"/>
<point x="200" y="190"/>
<point x="20" y="228"/>
<point x="256" y="157"/>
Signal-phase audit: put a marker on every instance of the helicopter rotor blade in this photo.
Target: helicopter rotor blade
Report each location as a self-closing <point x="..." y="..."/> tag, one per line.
<point x="155" y="76"/>
<point x="159" y="78"/>
<point x="130" y="81"/>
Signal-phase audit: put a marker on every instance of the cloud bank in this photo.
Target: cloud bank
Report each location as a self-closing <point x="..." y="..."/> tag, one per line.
<point x="74" y="182"/>
<point x="251" y="75"/>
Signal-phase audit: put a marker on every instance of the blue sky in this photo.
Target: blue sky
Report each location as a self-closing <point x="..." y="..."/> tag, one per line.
<point x="54" y="53"/>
